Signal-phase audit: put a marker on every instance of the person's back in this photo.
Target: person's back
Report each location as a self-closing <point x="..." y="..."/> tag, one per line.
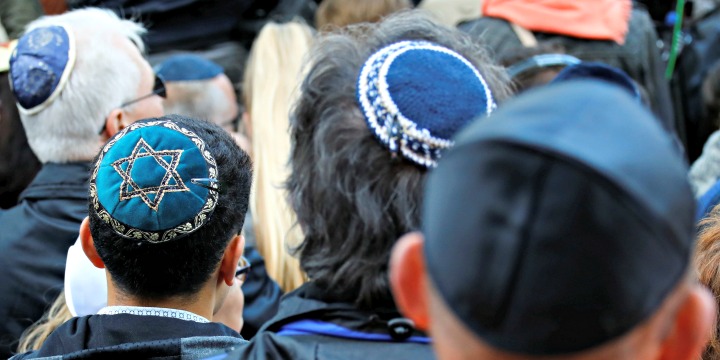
<point x="167" y="201"/>
<point x="73" y="76"/>
<point x="607" y="31"/>
<point x="19" y="166"/>
<point x="375" y="113"/>
<point x="562" y="227"/>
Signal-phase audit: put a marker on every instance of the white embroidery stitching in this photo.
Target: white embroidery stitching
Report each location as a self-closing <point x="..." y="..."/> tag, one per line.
<point x="160" y="190"/>
<point x="153" y="311"/>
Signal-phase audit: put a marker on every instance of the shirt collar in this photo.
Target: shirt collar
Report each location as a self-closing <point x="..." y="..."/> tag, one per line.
<point x="153" y="311"/>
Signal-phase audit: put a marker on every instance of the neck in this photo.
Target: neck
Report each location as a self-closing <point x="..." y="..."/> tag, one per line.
<point x="202" y="303"/>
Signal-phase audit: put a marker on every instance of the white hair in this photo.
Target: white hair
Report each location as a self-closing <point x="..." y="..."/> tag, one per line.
<point x="200" y="99"/>
<point x="105" y="75"/>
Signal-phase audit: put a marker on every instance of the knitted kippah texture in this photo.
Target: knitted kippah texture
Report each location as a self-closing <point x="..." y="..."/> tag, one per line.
<point x="40" y="66"/>
<point x="415" y="95"/>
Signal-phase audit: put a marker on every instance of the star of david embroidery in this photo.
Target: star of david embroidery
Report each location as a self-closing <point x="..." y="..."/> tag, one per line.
<point x="129" y="188"/>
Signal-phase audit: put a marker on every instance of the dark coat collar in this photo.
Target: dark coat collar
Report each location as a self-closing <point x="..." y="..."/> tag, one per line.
<point x="100" y="331"/>
<point x="308" y="302"/>
<point x="69" y="181"/>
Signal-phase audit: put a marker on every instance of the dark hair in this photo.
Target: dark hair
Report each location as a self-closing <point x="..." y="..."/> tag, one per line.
<point x="180" y="267"/>
<point x="707" y="261"/>
<point x="352" y="198"/>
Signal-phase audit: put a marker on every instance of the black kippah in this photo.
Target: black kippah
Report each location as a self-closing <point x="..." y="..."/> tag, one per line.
<point x="559" y="223"/>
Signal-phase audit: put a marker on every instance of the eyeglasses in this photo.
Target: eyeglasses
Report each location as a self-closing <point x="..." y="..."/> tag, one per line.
<point x="232" y="123"/>
<point x="158" y="89"/>
<point x="242" y="269"/>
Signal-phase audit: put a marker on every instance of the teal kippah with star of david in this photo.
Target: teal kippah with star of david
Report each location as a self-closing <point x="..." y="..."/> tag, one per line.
<point x="154" y="181"/>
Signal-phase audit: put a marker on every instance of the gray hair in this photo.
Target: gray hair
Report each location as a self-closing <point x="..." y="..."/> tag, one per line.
<point x="104" y="77"/>
<point x="196" y="99"/>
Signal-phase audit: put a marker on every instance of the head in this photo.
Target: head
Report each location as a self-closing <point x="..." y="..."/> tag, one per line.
<point x="557" y="229"/>
<point x="340" y="13"/>
<point x="355" y="189"/>
<point x="707" y="260"/>
<point x="97" y="67"/>
<point x="198" y="88"/>
<point x="270" y="88"/>
<point x="178" y="238"/>
<point x="530" y="67"/>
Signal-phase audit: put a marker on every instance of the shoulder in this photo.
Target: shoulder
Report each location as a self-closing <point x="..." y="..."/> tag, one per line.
<point x="269" y="345"/>
<point x="484" y="24"/>
<point x="640" y="21"/>
<point x="495" y="34"/>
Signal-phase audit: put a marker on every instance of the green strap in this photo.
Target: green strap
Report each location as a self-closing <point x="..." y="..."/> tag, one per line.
<point x="677" y="33"/>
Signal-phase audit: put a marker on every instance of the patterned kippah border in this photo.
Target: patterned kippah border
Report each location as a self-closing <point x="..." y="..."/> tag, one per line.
<point x="37" y="39"/>
<point x="179" y="231"/>
<point x="384" y="118"/>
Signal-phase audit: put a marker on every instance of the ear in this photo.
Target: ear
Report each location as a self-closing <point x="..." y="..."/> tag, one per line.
<point x="230" y="260"/>
<point x="693" y="328"/>
<point x="247" y="124"/>
<point x="408" y="279"/>
<point x="114" y="122"/>
<point x="88" y="245"/>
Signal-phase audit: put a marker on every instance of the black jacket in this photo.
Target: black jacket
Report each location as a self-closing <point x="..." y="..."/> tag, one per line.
<point x="200" y="24"/>
<point x="262" y="295"/>
<point x="125" y="336"/>
<point x="309" y="327"/>
<point x="639" y="57"/>
<point x="34" y="240"/>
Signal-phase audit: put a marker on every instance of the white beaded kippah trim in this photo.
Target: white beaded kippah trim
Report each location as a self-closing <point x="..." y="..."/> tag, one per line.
<point x="383" y="116"/>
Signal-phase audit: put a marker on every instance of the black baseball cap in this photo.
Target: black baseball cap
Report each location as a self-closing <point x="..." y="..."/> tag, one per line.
<point x="561" y="222"/>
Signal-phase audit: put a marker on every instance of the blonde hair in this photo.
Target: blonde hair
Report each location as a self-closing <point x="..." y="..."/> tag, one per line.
<point x="340" y="13"/>
<point x="272" y="77"/>
<point x="35" y="335"/>
<point x="707" y="263"/>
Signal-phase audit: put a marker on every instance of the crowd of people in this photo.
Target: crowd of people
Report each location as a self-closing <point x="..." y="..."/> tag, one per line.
<point x="339" y="179"/>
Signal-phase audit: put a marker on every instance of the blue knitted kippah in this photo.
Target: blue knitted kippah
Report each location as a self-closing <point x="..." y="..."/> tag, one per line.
<point x="40" y="66"/>
<point x="415" y="95"/>
<point x="154" y="181"/>
<point x="187" y="67"/>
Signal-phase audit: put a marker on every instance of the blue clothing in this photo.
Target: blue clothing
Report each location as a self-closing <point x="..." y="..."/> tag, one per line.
<point x="310" y="325"/>
<point x="708" y="201"/>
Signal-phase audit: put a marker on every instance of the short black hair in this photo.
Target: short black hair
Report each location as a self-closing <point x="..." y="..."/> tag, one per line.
<point x="353" y="200"/>
<point x="180" y="267"/>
